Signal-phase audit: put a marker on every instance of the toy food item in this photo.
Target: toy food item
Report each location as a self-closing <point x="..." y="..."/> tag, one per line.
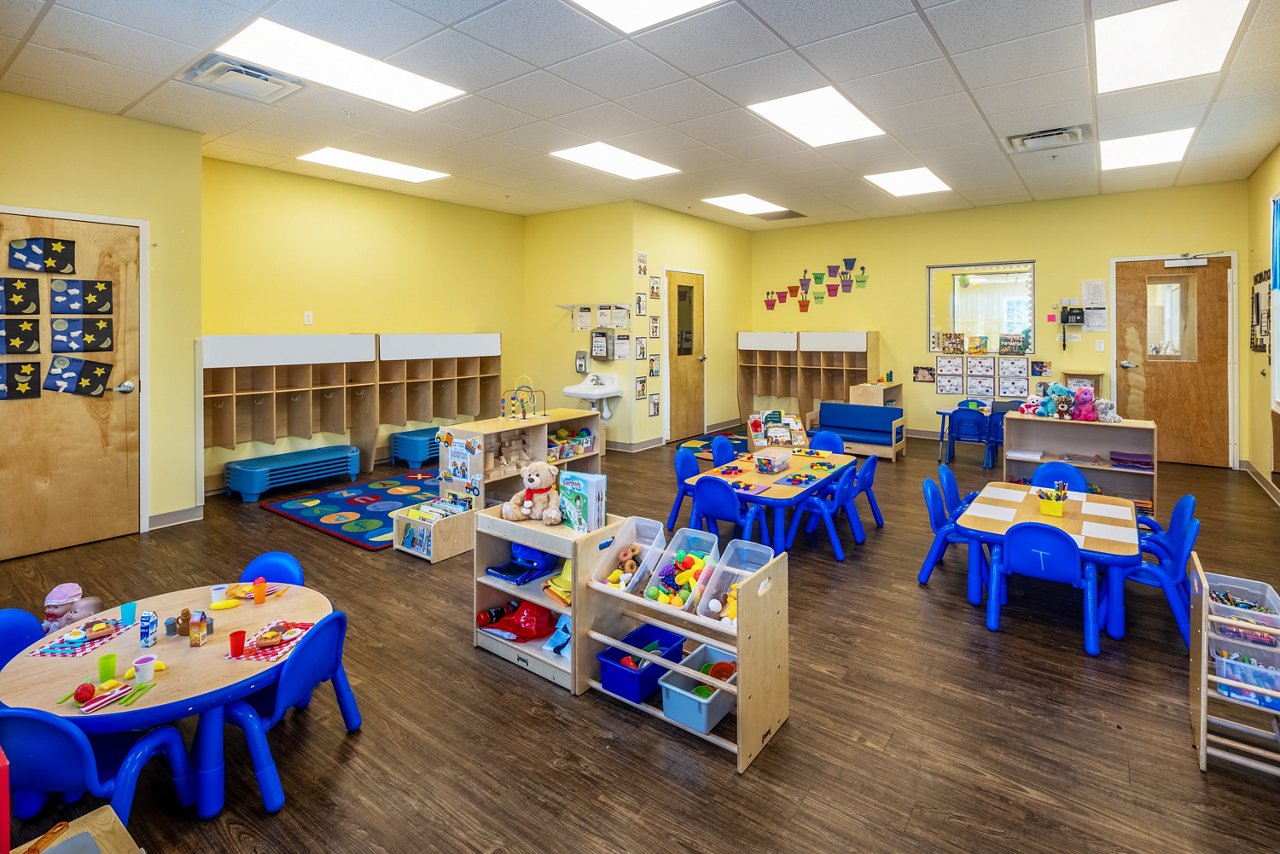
<point x="99" y="630"/>
<point x="111" y="683"/>
<point x="268" y="639"/>
<point x="291" y="634"/>
<point x="84" y="692"/>
<point x="74" y="636"/>
<point x="224" y="604"/>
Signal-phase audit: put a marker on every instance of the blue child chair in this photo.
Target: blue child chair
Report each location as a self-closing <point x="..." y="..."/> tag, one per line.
<point x="864" y="484"/>
<point x="825" y="440"/>
<point x="277" y="567"/>
<point x="1047" y="474"/>
<point x="715" y="501"/>
<point x="954" y="504"/>
<point x="316" y="659"/>
<point x="18" y="630"/>
<point x="722" y="452"/>
<point x="686" y="467"/>
<point x="969" y="426"/>
<point x="1169" y="572"/>
<point x="827" y="509"/>
<point x="995" y="439"/>
<point x="1160" y="542"/>
<point x="48" y="754"/>
<point x="944" y="529"/>
<point x="1043" y="551"/>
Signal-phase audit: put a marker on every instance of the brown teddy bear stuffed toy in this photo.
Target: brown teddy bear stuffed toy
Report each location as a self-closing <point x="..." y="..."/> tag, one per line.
<point x="539" y="500"/>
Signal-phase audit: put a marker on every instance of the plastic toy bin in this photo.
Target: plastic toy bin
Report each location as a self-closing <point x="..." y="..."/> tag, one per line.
<point x="686" y="539"/>
<point x="681" y="705"/>
<point x="649" y="535"/>
<point x="1264" y="674"/>
<point x="1253" y="591"/>
<point x="638" y="685"/>
<point x="740" y="559"/>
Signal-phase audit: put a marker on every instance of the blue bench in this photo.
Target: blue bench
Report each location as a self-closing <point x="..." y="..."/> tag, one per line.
<point x="253" y="477"/>
<point x="879" y="430"/>
<point x="415" y="447"/>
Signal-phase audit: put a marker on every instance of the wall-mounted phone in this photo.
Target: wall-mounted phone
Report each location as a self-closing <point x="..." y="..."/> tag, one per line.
<point x="1069" y="315"/>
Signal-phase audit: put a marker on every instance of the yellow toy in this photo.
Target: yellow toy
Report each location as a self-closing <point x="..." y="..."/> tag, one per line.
<point x="728" y="609"/>
<point x="561" y="586"/>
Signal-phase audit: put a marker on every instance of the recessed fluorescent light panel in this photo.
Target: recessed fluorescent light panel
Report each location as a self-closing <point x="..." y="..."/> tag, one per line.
<point x="819" y="117"/>
<point x="353" y="162"/>
<point x="1169" y="41"/>
<point x="746" y="204"/>
<point x="1146" y="150"/>
<point x="908" y="182"/>
<point x="632" y="15"/>
<point x="267" y="43"/>
<point x="615" y="161"/>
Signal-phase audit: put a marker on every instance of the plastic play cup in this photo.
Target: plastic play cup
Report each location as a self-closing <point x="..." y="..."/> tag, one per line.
<point x="106" y="666"/>
<point x="129" y="613"/>
<point x="217" y="593"/>
<point x="144" y="668"/>
<point x="237" y="644"/>
<point x="259" y="590"/>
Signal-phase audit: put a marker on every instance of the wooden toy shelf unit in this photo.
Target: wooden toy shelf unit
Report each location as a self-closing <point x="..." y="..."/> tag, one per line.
<point x="807" y="366"/>
<point x="263" y="388"/>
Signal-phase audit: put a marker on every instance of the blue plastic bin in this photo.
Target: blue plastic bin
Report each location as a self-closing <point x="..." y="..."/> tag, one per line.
<point x="638" y="685"/>
<point x="681" y="705"/>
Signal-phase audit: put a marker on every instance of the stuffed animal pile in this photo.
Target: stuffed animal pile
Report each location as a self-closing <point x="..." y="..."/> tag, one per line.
<point x="1084" y="409"/>
<point x="1106" y="410"/>
<point x="1080" y="405"/>
<point x="1050" y="405"/>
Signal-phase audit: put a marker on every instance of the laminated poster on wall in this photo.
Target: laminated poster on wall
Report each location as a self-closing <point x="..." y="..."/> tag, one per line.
<point x="655" y="366"/>
<point x="1041" y="369"/>
<point x="923" y="374"/>
<point x="642" y="304"/>
<point x="978" y="344"/>
<point x="655" y="326"/>
<point x="980" y="366"/>
<point x="581" y="318"/>
<point x="599" y="345"/>
<point x="642" y="388"/>
<point x="19" y="380"/>
<point x="642" y="263"/>
<point x="19" y="336"/>
<point x="1013" y="343"/>
<point x="979" y="386"/>
<point x="1014" y="386"/>
<point x="68" y="375"/>
<point x="1095" y="319"/>
<point x="952" y="343"/>
<point x="949" y="385"/>
<point x="43" y="255"/>
<point x="655" y="287"/>
<point x="80" y="296"/>
<point x="1013" y="366"/>
<point x="19" y="296"/>
<point x="620" y="317"/>
<point x="642" y="349"/>
<point x="655" y="408"/>
<point x="81" y="334"/>
<point x="952" y="366"/>
<point x="622" y="347"/>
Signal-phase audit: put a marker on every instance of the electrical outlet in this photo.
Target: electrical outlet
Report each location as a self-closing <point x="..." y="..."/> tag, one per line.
<point x="306" y="318"/>
<point x="1100" y="346"/>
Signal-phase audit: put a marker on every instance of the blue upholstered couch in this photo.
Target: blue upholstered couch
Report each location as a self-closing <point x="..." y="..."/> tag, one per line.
<point x="879" y="430"/>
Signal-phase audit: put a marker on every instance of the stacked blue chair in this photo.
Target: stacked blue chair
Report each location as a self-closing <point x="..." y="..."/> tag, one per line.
<point x="1048" y="474"/>
<point x="715" y="501"/>
<point x="995" y="439"/>
<point x="686" y="467"/>
<point x="967" y="426"/>
<point x="18" y="630"/>
<point x="825" y="440"/>
<point x="50" y="755"/>
<point x="951" y="493"/>
<point x="864" y="484"/>
<point x="276" y="567"/>
<point x="316" y="659"/>
<point x="1172" y="550"/>
<point x="1043" y="551"/>
<point x="827" y="509"/>
<point x="722" y="452"/>
<point x="944" y="530"/>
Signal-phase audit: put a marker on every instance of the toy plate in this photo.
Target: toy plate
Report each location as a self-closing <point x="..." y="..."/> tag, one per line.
<point x="291" y="635"/>
<point x="75" y="636"/>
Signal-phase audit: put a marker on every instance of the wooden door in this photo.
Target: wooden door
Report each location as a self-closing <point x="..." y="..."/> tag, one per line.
<point x="1171" y="353"/>
<point x="687" y="355"/>
<point x="68" y="461"/>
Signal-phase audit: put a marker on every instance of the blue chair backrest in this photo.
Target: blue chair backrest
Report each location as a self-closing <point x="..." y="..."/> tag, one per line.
<point x="867" y="473"/>
<point x="1182" y="547"/>
<point x="933" y="503"/>
<point x="844" y="487"/>
<point x="950" y="489"/>
<point x="316" y="658"/>
<point x="1042" y="551"/>
<point x="278" y="567"/>
<point x="995" y="427"/>
<point x="47" y="753"/>
<point x="825" y="440"/>
<point x="686" y="465"/>
<point x="18" y="630"/>
<point x="968" y="425"/>
<point x="715" y="498"/>
<point x="722" y="451"/>
<point x="1047" y="474"/>
<point x="1183" y="512"/>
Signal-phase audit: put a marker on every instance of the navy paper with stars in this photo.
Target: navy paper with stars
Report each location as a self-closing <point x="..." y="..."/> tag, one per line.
<point x="19" y="296"/>
<point x="19" y="336"/>
<point x="80" y="296"/>
<point x="77" y="376"/>
<point x="81" y="335"/>
<point x="19" y="380"/>
<point x="43" y="255"/>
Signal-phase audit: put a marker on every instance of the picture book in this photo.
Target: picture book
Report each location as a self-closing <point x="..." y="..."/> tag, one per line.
<point x="978" y="344"/>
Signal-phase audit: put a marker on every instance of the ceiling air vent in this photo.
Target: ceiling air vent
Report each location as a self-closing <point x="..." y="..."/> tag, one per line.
<point x="1044" y="139"/>
<point x="245" y="81"/>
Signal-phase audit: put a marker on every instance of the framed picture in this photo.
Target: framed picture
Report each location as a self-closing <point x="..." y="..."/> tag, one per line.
<point x="1042" y="369"/>
<point x="949" y="385"/>
<point x="952" y="342"/>
<point x="980" y="366"/>
<point x="1013" y="344"/>
<point x="1014" y="386"/>
<point x="979" y="386"/>
<point x="654" y="407"/>
<point x="655" y="365"/>
<point x="978" y="344"/>
<point x="642" y="305"/>
<point x="1042" y="388"/>
<point x="952" y="366"/>
<point x="1013" y="366"/>
<point x="655" y="287"/>
<point x="642" y="388"/>
<point x="923" y="374"/>
<point x="642" y="349"/>
<point x="655" y="326"/>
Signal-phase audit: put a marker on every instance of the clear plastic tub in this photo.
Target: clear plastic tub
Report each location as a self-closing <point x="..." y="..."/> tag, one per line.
<point x="1252" y="591"/>
<point x="682" y="705"/>
<point x="740" y="559"/>
<point x="650" y="536"/>
<point x="1264" y="674"/>
<point x="685" y="540"/>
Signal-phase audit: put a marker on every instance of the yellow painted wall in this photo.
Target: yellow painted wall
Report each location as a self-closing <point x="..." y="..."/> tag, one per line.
<point x="1255" y="398"/>
<point x="56" y="157"/>
<point x="1070" y="240"/>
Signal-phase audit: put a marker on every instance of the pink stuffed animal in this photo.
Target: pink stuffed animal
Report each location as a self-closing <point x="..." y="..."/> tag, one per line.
<point x="1084" y="409"/>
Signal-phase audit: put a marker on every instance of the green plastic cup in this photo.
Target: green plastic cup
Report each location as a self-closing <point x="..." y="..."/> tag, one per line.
<point x="106" y="666"/>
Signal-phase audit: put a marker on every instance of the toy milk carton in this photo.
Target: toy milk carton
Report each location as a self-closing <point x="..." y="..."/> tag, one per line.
<point x="148" y="629"/>
<point x="582" y="500"/>
<point x="197" y="632"/>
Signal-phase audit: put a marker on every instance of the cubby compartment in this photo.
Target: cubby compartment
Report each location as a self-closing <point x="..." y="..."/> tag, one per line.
<point x="765" y="377"/>
<point x="255" y="418"/>
<point x="490" y="366"/>
<point x="832" y="360"/>
<point x="293" y="414"/>
<point x="392" y="405"/>
<point x="444" y="397"/>
<point x="418" y="369"/>
<point x="290" y="377"/>
<point x="855" y="360"/>
<point x="469" y="366"/>
<point x="328" y="412"/>
<point x="328" y="375"/>
<point x="391" y="372"/>
<point x="219" y="381"/>
<point x="746" y="357"/>
<point x="362" y="408"/>
<point x="469" y="396"/>
<point x="787" y="358"/>
<point x="220" y="423"/>
<point x="445" y="368"/>
<point x="766" y="357"/>
<point x="490" y="391"/>
<point x="255" y="379"/>
<point x="418" y="401"/>
<point x="361" y="373"/>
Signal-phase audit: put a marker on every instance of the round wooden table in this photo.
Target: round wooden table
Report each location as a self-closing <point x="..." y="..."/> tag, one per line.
<point x="197" y="681"/>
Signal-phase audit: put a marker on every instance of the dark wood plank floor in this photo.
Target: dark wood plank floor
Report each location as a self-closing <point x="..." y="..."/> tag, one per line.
<point x="912" y="727"/>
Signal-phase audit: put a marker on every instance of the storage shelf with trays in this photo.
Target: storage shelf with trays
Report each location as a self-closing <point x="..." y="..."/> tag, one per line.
<point x="1215" y="736"/>
<point x="808" y="366"/>
<point x="759" y="641"/>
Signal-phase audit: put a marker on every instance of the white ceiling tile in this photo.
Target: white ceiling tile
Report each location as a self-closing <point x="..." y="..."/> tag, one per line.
<point x="268" y="143"/>
<point x="543" y="137"/>
<point x="1248" y="82"/>
<point x="478" y="115"/>
<point x="570" y="193"/>
<point x="1242" y="110"/>
<point x="871" y="156"/>
<point x="1029" y="92"/>
<point x="375" y="28"/>
<point x="986" y="156"/>
<point x="1056" y="50"/>
<point x="765" y="79"/>
<point x="541" y="94"/>
<point x="697" y="159"/>
<point x="314" y="132"/>
<point x="1268" y="14"/>
<point x="677" y="102"/>
<point x="1145" y="123"/>
<point x="604" y="120"/>
<point x="16" y="17"/>
<point x="537" y="31"/>
<point x="1107" y="8"/>
<point x="1067" y="190"/>
<point x="459" y="61"/>
<point x="926" y="80"/>
<point x="972" y="24"/>
<point x="723" y="127"/>
<point x="1078" y="112"/>
<point x="925" y="114"/>
<point x="446" y="11"/>
<point x="934" y="202"/>
<point x="804" y="160"/>
<point x="205" y="104"/>
<point x="491" y="151"/>
<point x="502" y="176"/>
<point x="341" y="108"/>
<point x="424" y="132"/>
<point x="200" y="24"/>
<point x="78" y="72"/>
<point x="1000" y="197"/>
<point x="617" y="70"/>
<point x="63" y="94"/>
<point x="209" y="125"/>
<point x="761" y="145"/>
<point x="804" y="21"/>
<point x="1162" y="96"/>
<point x="654" y="142"/>
<point x="946" y="136"/>
<point x="1257" y="48"/>
<point x="389" y="148"/>
<point x="7" y="46"/>
<point x="84" y="35"/>
<point x="1139" y="178"/>
<point x="1207" y="170"/>
<point x="710" y="40"/>
<point x="875" y="49"/>
<point x="1057" y="165"/>
<point x="249" y="157"/>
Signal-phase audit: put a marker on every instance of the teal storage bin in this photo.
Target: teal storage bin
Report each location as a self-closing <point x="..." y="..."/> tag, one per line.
<point x="681" y="705"/>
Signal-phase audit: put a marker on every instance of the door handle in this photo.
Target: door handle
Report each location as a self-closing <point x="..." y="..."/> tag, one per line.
<point x="1127" y="364"/>
<point x="125" y="387"/>
<point x="702" y="358"/>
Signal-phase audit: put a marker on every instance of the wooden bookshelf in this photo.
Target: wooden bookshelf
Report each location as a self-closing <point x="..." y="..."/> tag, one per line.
<point x="806" y="366"/>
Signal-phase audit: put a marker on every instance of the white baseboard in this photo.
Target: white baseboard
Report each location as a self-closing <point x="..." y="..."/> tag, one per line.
<point x="175" y="517"/>
<point x="723" y="425"/>
<point x="634" y="447"/>
<point x="1265" y="482"/>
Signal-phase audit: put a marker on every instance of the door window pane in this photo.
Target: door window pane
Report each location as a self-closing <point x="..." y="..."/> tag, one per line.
<point x="1171" y="318"/>
<point x="684" y="320"/>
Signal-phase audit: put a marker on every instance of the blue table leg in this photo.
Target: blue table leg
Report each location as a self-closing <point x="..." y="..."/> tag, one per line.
<point x="779" y="529"/>
<point x="976" y="564"/>
<point x="210" y="773"/>
<point x="1115" y="602"/>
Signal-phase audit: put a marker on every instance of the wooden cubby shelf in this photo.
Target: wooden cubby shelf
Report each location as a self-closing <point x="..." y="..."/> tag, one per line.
<point x="807" y="366"/>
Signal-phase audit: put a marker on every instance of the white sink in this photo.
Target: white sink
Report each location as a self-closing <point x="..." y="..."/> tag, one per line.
<point x="597" y="389"/>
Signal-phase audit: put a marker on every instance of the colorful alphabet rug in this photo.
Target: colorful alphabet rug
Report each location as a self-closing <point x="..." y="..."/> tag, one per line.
<point x="360" y="513"/>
